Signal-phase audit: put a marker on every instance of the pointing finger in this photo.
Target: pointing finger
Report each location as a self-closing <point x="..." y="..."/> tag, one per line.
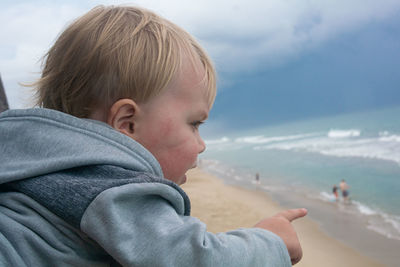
<point x="293" y="214"/>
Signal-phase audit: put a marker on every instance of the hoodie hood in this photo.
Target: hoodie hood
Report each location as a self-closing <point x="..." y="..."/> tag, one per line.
<point x="39" y="141"/>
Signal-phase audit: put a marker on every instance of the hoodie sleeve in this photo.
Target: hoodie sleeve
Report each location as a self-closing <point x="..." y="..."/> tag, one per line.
<point x="144" y="225"/>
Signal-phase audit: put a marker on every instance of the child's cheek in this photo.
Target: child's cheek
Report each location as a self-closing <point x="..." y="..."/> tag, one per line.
<point x="188" y="155"/>
<point x="162" y="133"/>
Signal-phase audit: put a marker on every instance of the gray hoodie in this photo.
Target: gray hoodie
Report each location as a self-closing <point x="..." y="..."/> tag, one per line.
<point x="75" y="192"/>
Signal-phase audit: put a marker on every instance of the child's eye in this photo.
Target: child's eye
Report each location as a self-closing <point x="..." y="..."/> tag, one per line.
<point x="197" y="124"/>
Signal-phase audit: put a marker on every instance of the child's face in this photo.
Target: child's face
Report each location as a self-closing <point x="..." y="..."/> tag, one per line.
<point x="168" y="124"/>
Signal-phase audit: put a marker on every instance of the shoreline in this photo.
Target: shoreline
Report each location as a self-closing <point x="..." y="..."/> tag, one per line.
<point x="349" y="228"/>
<point x="222" y="207"/>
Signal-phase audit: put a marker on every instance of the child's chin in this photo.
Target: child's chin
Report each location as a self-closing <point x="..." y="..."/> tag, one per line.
<point x="182" y="180"/>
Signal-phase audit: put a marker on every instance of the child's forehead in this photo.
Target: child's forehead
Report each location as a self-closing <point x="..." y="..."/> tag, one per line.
<point x="184" y="97"/>
<point x="194" y="75"/>
<point x="187" y="81"/>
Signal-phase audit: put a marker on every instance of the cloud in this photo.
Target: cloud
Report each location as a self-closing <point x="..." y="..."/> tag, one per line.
<point x="29" y="32"/>
<point x="239" y="35"/>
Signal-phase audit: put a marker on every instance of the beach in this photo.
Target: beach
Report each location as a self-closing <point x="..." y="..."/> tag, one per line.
<point x="226" y="207"/>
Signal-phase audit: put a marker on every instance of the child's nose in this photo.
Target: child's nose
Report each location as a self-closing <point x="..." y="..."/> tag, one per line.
<point x="202" y="145"/>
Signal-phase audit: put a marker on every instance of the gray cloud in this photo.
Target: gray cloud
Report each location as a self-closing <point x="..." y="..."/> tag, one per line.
<point x="238" y="34"/>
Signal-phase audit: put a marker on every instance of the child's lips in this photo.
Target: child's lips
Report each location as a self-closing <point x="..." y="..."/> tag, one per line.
<point x="184" y="177"/>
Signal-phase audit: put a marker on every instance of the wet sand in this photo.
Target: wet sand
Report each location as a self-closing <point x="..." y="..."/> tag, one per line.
<point x="224" y="207"/>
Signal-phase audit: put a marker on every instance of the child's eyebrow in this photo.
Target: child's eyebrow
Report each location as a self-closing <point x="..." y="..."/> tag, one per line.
<point x="204" y="115"/>
<point x="201" y="115"/>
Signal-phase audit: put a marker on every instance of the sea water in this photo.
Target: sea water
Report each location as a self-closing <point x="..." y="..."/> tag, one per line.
<point x="303" y="160"/>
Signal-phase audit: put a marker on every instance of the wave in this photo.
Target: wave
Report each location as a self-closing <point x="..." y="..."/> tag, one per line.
<point x="261" y="139"/>
<point x="325" y="196"/>
<point x="364" y="209"/>
<point x="344" y="133"/>
<point x="382" y="148"/>
<point x="337" y="143"/>
<point x="390" y="138"/>
<point x="380" y="222"/>
<point x="377" y="221"/>
<point x="371" y="148"/>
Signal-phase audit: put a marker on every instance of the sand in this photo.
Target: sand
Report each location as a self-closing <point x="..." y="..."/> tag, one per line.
<point x="224" y="207"/>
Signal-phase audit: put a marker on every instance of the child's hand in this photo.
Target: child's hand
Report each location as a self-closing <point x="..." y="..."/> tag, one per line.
<point x="280" y="224"/>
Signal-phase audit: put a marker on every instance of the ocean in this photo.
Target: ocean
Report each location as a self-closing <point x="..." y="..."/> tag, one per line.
<point x="298" y="164"/>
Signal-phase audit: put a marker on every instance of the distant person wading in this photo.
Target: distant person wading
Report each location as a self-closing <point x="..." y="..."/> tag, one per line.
<point x="344" y="187"/>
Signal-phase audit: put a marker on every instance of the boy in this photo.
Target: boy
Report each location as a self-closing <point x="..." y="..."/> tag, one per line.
<point x="92" y="178"/>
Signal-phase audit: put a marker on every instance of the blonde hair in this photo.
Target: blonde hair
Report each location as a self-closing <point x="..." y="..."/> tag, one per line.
<point x="112" y="53"/>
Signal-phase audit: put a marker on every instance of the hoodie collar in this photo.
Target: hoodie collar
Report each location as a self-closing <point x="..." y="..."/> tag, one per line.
<point x="40" y="141"/>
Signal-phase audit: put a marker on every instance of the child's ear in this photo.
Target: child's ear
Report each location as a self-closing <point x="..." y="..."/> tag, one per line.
<point x="122" y="116"/>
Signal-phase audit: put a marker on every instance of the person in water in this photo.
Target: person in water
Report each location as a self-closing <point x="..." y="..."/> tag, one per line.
<point x="344" y="188"/>
<point x="335" y="192"/>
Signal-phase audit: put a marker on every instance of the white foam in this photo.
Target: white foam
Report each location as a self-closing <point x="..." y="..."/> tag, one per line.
<point x="387" y="225"/>
<point x="390" y="138"/>
<point x="383" y="223"/>
<point x="378" y="221"/>
<point x="383" y="133"/>
<point x="383" y="147"/>
<point x="344" y="133"/>
<point x="261" y="139"/>
<point x="325" y="196"/>
<point x="364" y="209"/>
<point x="337" y="143"/>
<point x="393" y="220"/>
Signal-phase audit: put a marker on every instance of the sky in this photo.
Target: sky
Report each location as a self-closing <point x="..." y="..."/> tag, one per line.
<point x="277" y="60"/>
